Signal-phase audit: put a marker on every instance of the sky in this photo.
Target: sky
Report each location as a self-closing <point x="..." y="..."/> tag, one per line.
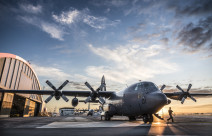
<point x="163" y="41"/>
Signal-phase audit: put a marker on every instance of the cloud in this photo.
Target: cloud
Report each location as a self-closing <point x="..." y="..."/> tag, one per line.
<point x="99" y="22"/>
<point x="131" y="63"/>
<point x="164" y="40"/>
<point x="114" y="3"/>
<point x="53" y="30"/>
<point x="50" y="73"/>
<point x="31" y="8"/>
<point x="67" y="17"/>
<point x="138" y="28"/>
<point x="198" y="7"/>
<point x="76" y="16"/>
<point x="143" y="7"/>
<point x="56" y="47"/>
<point x="78" y="85"/>
<point x="197" y="36"/>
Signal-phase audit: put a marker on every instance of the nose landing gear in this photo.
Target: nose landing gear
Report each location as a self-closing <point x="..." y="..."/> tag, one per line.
<point x="148" y="118"/>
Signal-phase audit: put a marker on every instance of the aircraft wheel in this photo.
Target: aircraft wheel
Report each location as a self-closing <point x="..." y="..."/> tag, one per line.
<point x="107" y="116"/>
<point x="132" y="118"/>
<point x="145" y="118"/>
<point x="150" y="118"/>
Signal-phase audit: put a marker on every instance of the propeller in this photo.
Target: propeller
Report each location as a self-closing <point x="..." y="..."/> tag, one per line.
<point x="57" y="92"/>
<point x="95" y="94"/>
<point x="186" y="94"/>
<point x="162" y="87"/>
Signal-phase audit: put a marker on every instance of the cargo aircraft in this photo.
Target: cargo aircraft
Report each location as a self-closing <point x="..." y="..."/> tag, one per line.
<point x="143" y="99"/>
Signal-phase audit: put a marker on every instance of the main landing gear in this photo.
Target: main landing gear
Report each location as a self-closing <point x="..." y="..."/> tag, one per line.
<point x="107" y="116"/>
<point x="148" y="118"/>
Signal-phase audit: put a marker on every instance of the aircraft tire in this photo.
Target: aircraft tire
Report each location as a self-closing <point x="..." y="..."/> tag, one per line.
<point x="150" y="118"/>
<point x="145" y="118"/>
<point x="107" y="116"/>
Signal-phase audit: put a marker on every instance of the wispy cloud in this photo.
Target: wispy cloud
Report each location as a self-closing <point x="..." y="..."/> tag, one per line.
<point x="51" y="73"/>
<point x="114" y="3"/>
<point x="76" y="16"/>
<point x="52" y="29"/>
<point x="131" y="63"/>
<point x="57" y="76"/>
<point x="68" y="17"/>
<point x="29" y="8"/>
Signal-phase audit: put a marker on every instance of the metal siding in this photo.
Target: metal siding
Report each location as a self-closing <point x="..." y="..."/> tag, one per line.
<point x="19" y="74"/>
<point x="30" y="73"/>
<point x="16" y="74"/>
<point x="27" y="72"/>
<point x="14" y="71"/>
<point x="33" y="82"/>
<point x="5" y="71"/>
<point x="25" y="68"/>
<point x="2" y="63"/>
<point x="9" y="77"/>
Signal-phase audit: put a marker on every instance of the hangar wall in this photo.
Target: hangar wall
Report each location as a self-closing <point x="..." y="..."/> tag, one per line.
<point x="16" y="74"/>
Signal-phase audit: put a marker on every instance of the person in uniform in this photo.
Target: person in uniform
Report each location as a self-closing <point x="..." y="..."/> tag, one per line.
<point x="170" y="114"/>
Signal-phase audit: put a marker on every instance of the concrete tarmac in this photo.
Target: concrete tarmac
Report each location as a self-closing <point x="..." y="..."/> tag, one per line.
<point x="83" y="125"/>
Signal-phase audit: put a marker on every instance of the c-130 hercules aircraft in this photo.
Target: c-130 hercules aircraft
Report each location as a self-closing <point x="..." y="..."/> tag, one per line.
<point x="142" y="99"/>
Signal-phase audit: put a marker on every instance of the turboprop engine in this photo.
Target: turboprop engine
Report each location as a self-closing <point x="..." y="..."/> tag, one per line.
<point x="74" y="102"/>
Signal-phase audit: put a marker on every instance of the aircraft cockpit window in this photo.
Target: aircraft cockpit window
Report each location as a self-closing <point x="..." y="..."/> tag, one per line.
<point x="138" y="87"/>
<point x="150" y="87"/>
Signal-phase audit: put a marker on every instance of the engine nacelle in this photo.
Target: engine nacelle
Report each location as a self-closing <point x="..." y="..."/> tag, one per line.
<point x="74" y="102"/>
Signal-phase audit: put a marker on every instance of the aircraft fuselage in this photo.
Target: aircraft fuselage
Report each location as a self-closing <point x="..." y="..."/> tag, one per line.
<point x="139" y="99"/>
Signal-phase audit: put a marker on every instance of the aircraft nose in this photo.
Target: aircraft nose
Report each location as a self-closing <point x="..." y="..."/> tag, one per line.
<point x="154" y="102"/>
<point x="157" y="101"/>
<point x="161" y="99"/>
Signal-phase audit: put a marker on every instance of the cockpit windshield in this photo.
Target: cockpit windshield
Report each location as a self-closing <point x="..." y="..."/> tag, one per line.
<point x="146" y="87"/>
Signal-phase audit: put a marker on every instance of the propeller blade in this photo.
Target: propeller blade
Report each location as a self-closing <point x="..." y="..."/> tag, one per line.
<point x="192" y="98"/>
<point x="51" y="85"/>
<point x="49" y="98"/>
<point x="64" y="84"/>
<point x="101" y="100"/>
<point x="162" y="87"/>
<point x="183" y="99"/>
<point x="65" y="98"/>
<point x="189" y="87"/>
<point x="87" y="99"/>
<point x="89" y="86"/>
<point x="180" y="88"/>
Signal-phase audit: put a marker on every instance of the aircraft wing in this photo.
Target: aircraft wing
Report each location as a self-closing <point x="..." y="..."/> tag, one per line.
<point x="106" y="94"/>
<point x="42" y="92"/>
<point x="180" y="95"/>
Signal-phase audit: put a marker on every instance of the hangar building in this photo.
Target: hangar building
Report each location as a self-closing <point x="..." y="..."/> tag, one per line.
<point x="17" y="74"/>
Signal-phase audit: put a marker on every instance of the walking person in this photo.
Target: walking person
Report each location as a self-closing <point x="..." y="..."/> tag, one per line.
<point x="170" y="114"/>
